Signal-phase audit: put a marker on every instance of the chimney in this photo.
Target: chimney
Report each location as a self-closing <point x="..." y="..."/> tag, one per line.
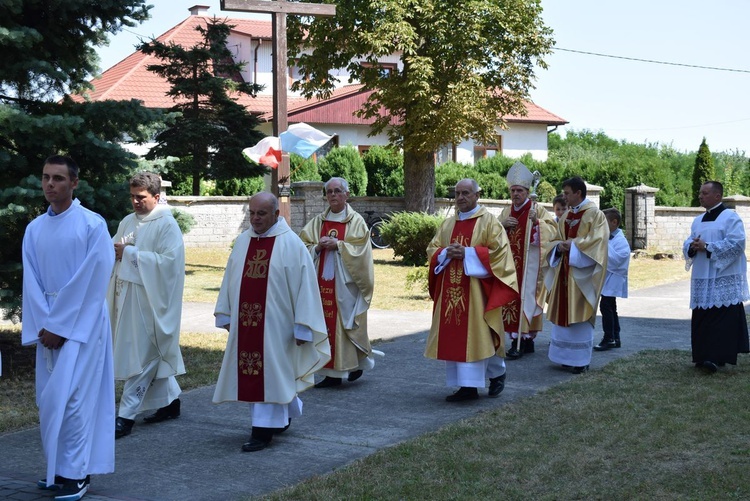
<point x="199" y="10"/>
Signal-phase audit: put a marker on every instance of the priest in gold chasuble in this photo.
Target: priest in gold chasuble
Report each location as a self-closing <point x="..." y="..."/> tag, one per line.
<point x="471" y="279"/>
<point x="270" y="304"/>
<point x="528" y="226"/>
<point x="339" y="244"/>
<point x="575" y="268"/>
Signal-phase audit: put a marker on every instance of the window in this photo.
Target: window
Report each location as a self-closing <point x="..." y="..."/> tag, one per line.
<point x="488" y="150"/>
<point x="385" y="68"/>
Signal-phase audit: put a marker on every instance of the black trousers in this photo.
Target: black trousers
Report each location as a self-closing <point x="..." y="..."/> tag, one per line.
<point x="610" y="320"/>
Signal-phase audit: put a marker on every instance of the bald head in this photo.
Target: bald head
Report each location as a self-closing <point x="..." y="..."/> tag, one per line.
<point x="263" y="211"/>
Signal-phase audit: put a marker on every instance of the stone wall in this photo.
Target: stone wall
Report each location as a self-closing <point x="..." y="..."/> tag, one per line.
<point x="218" y="220"/>
<point x="665" y="229"/>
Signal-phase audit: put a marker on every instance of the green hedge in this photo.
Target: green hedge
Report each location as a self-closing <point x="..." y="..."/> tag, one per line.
<point x="409" y="234"/>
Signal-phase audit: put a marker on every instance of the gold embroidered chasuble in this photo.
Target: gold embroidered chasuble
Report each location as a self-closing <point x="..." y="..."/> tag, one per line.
<point x="467" y="323"/>
<point x="574" y="292"/>
<point x="353" y="285"/>
<point x="534" y="293"/>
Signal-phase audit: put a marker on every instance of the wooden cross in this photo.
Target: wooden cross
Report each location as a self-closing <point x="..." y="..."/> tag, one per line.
<point x="279" y="10"/>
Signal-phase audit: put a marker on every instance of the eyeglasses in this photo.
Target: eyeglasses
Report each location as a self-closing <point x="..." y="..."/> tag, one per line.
<point x="334" y="191"/>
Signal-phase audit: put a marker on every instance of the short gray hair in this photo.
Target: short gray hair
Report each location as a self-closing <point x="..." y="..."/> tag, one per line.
<point x="341" y="180"/>
<point x="474" y="184"/>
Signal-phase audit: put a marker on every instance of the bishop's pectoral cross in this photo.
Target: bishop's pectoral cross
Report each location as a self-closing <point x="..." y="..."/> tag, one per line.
<point x="279" y="10"/>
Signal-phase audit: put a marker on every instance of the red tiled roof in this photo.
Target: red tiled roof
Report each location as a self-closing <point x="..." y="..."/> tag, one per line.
<point x="340" y="108"/>
<point x="536" y="114"/>
<point x="130" y="79"/>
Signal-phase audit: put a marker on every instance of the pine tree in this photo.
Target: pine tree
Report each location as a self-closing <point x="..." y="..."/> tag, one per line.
<point x="703" y="170"/>
<point x="47" y="50"/>
<point x="211" y="128"/>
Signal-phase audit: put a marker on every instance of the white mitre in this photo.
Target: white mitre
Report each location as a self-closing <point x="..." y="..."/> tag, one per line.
<point x="519" y="175"/>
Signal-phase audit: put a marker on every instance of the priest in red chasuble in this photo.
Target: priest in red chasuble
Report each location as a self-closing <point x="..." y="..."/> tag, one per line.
<point x="575" y="268"/>
<point x="528" y="226"/>
<point x="270" y="304"/>
<point x="339" y="244"/>
<point x="471" y="280"/>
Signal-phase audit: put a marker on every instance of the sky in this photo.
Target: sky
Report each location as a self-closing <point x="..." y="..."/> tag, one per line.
<point x="675" y="104"/>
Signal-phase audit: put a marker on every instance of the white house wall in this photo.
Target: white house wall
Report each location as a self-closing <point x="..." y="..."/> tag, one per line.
<point x="522" y="138"/>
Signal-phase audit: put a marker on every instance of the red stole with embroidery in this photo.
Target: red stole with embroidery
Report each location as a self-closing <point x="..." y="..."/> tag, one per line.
<point x="572" y="223"/>
<point x="251" y="328"/>
<point x="517" y="240"/>
<point x="454" y="324"/>
<point x="333" y="229"/>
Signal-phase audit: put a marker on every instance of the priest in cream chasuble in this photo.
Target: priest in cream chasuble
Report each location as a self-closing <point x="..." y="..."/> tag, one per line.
<point x="339" y="244"/>
<point x="575" y="270"/>
<point x="471" y="278"/>
<point x="270" y="304"/>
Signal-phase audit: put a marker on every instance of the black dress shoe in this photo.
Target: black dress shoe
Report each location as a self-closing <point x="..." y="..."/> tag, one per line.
<point x="497" y="385"/>
<point x="354" y="375"/>
<point x="172" y="411"/>
<point x="463" y="393"/>
<point x="123" y="427"/>
<point x="580" y="370"/>
<point x="605" y="344"/>
<point x="329" y="382"/>
<point x="527" y="345"/>
<point x="255" y="444"/>
<point x="513" y="353"/>
<point x="710" y="366"/>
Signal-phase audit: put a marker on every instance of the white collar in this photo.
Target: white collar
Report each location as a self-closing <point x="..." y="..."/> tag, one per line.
<point x="522" y="205"/>
<point x="575" y="209"/>
<point x="467" y="215"/>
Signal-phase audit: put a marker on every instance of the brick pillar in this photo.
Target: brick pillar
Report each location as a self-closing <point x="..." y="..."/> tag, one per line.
<point x="308" y="201"/>
<point x="640" y="214"/>
<point x="594" y="193"/>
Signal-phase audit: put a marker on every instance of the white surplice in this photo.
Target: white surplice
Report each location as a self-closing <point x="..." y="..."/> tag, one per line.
<point x="67" y="261"/>
<point x="145" y="301"/>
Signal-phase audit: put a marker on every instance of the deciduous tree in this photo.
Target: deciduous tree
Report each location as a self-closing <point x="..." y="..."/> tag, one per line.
<point x="462" y="66"/>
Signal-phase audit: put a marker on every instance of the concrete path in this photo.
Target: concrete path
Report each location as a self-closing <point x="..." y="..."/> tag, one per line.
<point x="198" y="457"/>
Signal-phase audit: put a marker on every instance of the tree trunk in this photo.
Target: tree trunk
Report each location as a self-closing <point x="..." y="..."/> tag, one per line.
<point x="419" y="181"/>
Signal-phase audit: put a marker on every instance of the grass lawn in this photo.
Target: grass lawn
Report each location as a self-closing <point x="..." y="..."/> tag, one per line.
<point x="645" y="427"/>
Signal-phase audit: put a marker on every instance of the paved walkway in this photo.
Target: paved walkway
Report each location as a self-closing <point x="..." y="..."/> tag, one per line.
<point x="198" y="457"/>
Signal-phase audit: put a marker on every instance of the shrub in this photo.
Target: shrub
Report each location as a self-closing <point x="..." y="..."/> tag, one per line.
<point x="303" y="169"/>
<point x="185" y="220"/>
<point x="345" y="162"/>
<point x="448" y="174"/>
<point x="239" y="187"/>
<point x="493" y="184"/>
<point x="385" y="172"/>
<point x="417" y="277"/>
<point x="546" y="192"/>
<point x="409" y="234"/>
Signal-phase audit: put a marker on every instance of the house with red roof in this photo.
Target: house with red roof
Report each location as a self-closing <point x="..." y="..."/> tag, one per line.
<point x="251" y="42"/>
